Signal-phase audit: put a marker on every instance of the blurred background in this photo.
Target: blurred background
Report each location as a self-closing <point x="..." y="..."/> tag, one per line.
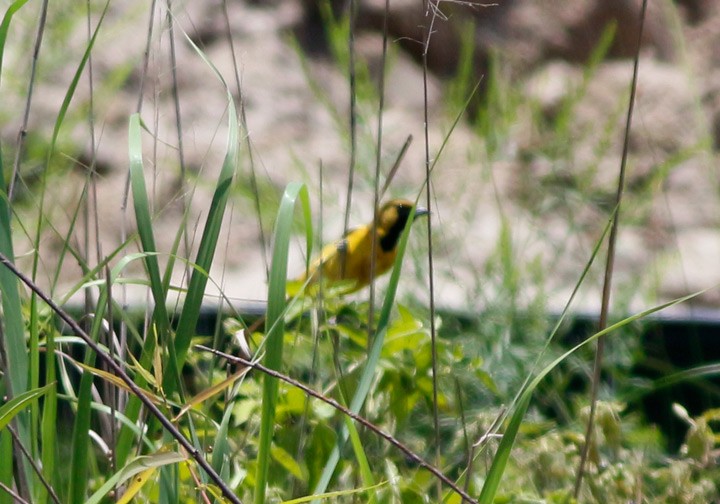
<point x="524" y="182"/>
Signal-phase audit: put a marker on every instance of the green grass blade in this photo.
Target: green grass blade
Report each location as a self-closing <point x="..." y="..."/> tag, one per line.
<point x="80" y="445"/>
<point x="334" y="496"/>
<point x="74" y="83"/>
<point x="13" y="339"/>
<point x="5" y="26"/>
<point x="275" y="321"/>
<point x="15" y="349"/>
<point x="492" y="482"/>
<point x="134" y="467"/>
<point x="14" y="327"/>
<point x="59" y="122"/>
<point x="6" y="465"/>
<point x="48" y="426"/>
<point x="160" y="318"/>
<point x="221" y="448"/>
<point x="145" y="231"/>
<point x="18" y="403"/>
<point x="206" y="251"/>
<point x="368" y="373"/>
<point x="365" y="472"/>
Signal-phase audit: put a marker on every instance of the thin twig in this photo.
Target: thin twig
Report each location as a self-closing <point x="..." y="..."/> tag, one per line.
<point x="28" y="102"/>
<point x="22" y="134"/>
<point x="36" y="468"/>
<point x="431" y="288"/>
<point x="120" y="372"/>
<point x="353" y="116"/>
<point x="398" y="161"/>
<point x="14" y="495"/>
<point x="248" y="142"/>
<point x="91" y="207"/>
<point x="179" y="130"/>
<point x="378" y="162"/>
<point x="607" y="284"/>
<point x="361" y="420"/>
<point x="146" y="57"/>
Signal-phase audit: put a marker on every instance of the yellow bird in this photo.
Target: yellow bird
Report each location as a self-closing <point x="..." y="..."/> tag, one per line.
<point x="350" y="258"/>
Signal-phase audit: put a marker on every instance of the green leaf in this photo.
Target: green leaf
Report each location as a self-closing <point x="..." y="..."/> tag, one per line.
<point x="135" y="466"/>
<point x="5" y="26"/>
<point x="275" y="321"/>
<point x="10" y="409"/>
<point x="492" y="482"/>
<point x="368" y="372"/>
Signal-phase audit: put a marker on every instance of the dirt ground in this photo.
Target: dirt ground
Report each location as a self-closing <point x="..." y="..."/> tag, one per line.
<point x="552" y="209"/>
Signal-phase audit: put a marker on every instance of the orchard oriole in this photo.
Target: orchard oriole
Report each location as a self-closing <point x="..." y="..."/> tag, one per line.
<point x="350" y="258"/>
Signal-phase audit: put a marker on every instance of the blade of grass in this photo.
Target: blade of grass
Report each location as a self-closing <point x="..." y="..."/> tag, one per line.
<point x="363" y="388"/>
<point x="118" y="369"/>
<point x="366" y="473"/>
<point x="341" y="493"/>
<point x="276" y="322"/>
<point x="50" y="412"/>
<point x="6" y="464"/>
<point x="610" y="260"/>
<point x="198" y="281"/>
<point x="18" y="403"/>
<point x="13" y="335"/>
<point x="206" y="251"/>
<point x="14" y="349"/>
<point x="5" y="26"/>
<point x="492" y="481"/>
<point x="56" y="130"/>
<point x="208" y="243"/>
<point x="80" y="444"/>
<point x="502" y="417"/>
<point x="221" y="448"/>
<point x="160" y="318"/>
<point x="136" y="466"/>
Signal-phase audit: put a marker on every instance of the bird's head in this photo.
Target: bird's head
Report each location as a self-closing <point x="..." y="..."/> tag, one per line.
<point x="391" y="220"/>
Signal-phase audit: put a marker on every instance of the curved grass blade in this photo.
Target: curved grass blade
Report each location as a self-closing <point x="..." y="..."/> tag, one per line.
<point x="276" y="322"/>
<point x="144" y="225"/>
<point x="334" y="495"/>
<point x="221" y="447"/>
<point x="368" y="373"/>
<point x="5" y="26"/>
<point x="206" y="251"/>
<point x="13" y="339"/>
<point x="492" y="482"/>
<point x="198" y="281"/>
<point x="139" y="465"/>
<point x="15" y="349"/>
<point x="18" y="403"/>
<point x="80" y="444"/>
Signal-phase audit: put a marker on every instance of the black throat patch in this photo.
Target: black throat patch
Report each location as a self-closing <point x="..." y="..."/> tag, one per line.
<point x="391" y="238"/>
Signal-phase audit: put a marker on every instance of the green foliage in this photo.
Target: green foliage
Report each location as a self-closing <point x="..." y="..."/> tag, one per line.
<point x="509" y="391"/>
<point x="626" y="462"/>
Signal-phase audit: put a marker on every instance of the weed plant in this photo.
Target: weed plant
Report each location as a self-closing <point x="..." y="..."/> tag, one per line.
<point x="329" y="398"/>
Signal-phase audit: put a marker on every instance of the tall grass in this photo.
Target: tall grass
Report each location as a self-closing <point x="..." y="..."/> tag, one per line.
<point x="327" y="401"/>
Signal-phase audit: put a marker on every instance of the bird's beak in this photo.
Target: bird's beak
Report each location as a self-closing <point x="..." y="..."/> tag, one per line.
<point x="420" y="211"/>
